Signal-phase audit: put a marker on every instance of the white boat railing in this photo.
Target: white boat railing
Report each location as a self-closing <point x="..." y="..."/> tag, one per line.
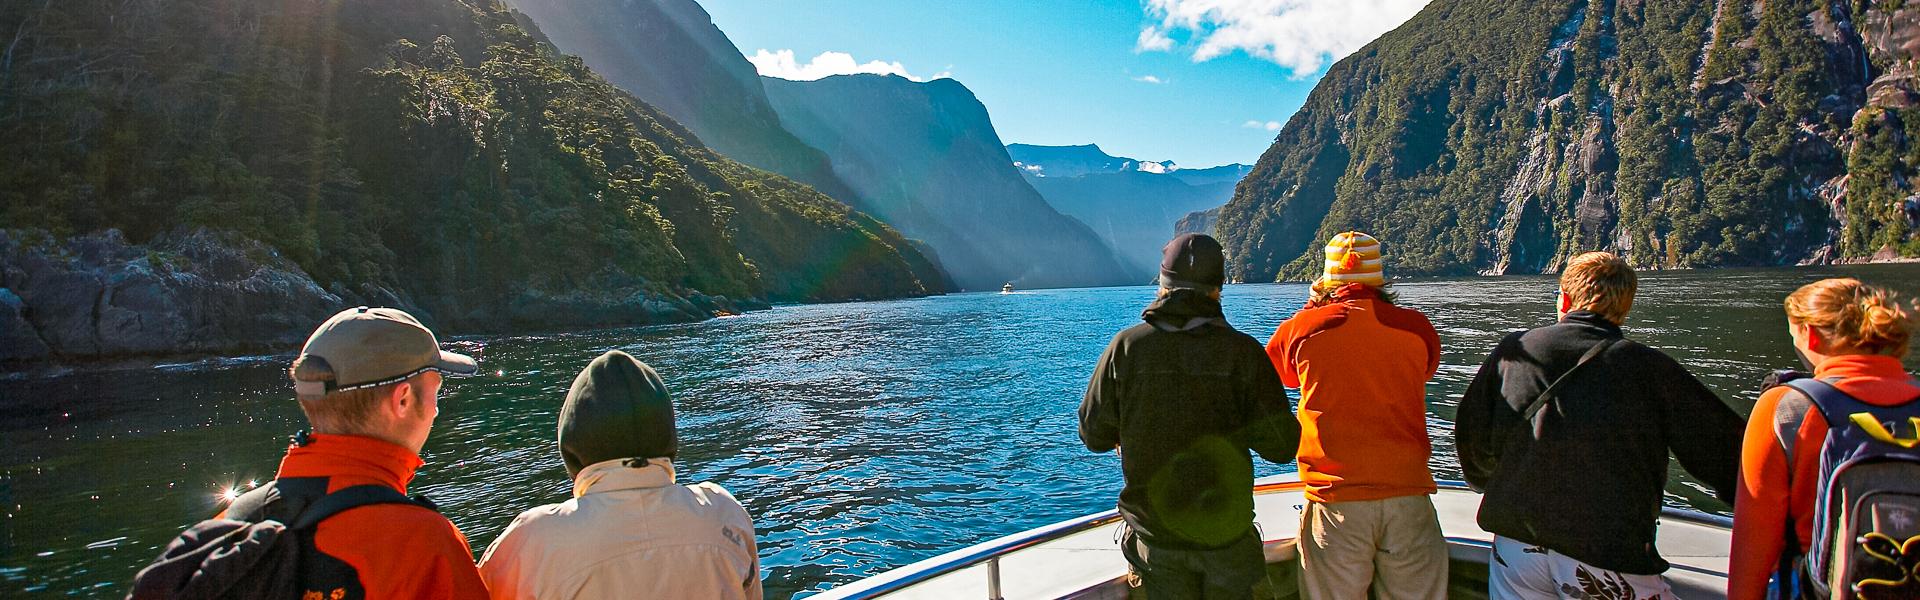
<point x="988" y="552"/>
<point x="991" y="551"/>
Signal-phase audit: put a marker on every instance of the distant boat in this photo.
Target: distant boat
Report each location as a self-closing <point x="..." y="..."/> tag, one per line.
<point x="1007" y="289"/>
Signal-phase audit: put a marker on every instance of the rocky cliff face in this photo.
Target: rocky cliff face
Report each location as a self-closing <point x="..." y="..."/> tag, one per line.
<point x="924" y="157"/>
<point x="99" y="296"/>
<point x="1502" y="137"/>
<point x="202" y="292"/>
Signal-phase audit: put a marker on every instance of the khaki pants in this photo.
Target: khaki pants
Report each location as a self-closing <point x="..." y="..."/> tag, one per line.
<point x="1392" y="545"/>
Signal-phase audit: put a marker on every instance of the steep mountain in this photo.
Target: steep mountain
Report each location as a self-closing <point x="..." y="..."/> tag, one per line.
<point x="1502" y="137"/>
<point x="1074" y="161"/>
<point x="433" y="154"/>
<point x="670" y="55"/>
<point x="924" y="157"/>
<point x="1199" y="221"/>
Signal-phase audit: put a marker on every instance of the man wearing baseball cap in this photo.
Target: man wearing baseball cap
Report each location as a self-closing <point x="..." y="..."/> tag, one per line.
<point x="1362" y="366"/>
<point x="369" y="382"/>
<point x="1185" y="397"/>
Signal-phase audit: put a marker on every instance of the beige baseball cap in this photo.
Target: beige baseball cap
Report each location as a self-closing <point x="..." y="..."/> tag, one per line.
<point x="367" y="347"/>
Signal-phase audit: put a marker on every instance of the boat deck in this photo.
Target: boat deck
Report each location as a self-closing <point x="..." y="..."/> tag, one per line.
<point x="1081" y="558"/>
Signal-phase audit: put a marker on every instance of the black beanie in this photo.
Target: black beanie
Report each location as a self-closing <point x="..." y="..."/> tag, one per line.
<point x="1192" y="260"/>
<point x="618" y="408"/>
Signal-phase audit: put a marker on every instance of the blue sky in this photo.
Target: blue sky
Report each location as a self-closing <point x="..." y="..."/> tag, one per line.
<point x="1199" y="82"/>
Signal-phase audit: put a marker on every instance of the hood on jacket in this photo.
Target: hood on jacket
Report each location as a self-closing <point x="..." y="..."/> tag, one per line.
<point x="618" y="408"/>
<point x="1183" y="309"/>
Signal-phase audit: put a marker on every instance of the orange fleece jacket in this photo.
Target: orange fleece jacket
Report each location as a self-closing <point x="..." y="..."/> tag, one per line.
<point x="1362" y="367"/>
<point x="399" y="551"/>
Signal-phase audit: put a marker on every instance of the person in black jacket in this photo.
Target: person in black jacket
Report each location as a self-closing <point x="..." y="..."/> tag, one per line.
<point x="1573" y="495"/>
<point x="1184" y="397"/>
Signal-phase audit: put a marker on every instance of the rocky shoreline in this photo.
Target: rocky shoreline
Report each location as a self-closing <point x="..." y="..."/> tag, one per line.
<point x="100" y="302"/>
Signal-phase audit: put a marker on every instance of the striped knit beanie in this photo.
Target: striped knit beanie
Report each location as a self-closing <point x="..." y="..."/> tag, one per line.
<point x="1353" y="257"/>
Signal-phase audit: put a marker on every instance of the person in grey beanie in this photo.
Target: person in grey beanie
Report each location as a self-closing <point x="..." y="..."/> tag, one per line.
<point x="629" y="531"/>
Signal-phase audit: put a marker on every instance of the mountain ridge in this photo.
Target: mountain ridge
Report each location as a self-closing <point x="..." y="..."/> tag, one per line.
<point x="925" y="157"/>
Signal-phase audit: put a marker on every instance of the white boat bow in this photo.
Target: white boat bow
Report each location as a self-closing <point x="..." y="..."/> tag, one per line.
<point x="1080" y="558"/>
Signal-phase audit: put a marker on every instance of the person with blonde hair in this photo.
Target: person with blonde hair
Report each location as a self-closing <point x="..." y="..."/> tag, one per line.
<point x="1567" y="431"/>
<point x="1859" y="407"/>
<point x="1362" y="366"/>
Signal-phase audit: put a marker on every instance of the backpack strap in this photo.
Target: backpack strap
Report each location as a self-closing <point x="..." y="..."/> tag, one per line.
<point x="1546" y="396"/>
<point x="1829" y="400"/>
<point x="349" y="498"/>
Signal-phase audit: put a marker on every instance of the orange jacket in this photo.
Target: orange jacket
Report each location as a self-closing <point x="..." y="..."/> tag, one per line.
<point x="1362" y="367"/>
<point x="1771" y="494"/>
<point x="398" y="550"/>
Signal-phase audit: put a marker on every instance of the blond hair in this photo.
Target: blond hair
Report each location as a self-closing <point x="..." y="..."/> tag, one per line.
<point x="1600" y="282"/>
<point x="1856" y="316"/>
<point x="350" y="412"/>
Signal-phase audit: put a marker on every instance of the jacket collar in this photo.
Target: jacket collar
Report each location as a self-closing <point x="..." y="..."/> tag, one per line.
<point x="351" y="456"/>
<point x="1862" y="365"/>
<point x="1183" y="310"/>
<point x="1593" y="319"/>
<point x="1355" y="291"/>
<point x="623" y="474"/>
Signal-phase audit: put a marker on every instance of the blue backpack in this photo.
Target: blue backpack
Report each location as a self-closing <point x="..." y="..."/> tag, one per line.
<point x="1866" y="532"/>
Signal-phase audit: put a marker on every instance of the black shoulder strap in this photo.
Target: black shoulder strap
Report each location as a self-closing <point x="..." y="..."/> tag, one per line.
<point x="352" y="497"/>
<point x="1546" y="396"/>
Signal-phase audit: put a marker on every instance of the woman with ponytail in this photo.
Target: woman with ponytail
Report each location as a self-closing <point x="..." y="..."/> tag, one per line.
<point x="1853" y="335"/>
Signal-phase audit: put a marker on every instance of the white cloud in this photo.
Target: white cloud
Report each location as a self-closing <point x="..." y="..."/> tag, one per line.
<point x="1267" y="125"/>
<point x="783" y="65"/>
<point x="1301" y="35"/>
<point x="1149" y="79"/>
<point x="1153" y="39"/>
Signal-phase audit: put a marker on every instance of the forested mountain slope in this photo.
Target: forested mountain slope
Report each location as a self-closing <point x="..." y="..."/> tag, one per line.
<point x="429" y="153"/>
<point x="925" y="158"/>
<point x="1501" y="137"/>
<point x="670" y="55"/>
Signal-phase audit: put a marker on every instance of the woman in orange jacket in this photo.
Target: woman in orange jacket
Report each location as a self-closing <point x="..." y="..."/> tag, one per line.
<point x="1854" y="336"/>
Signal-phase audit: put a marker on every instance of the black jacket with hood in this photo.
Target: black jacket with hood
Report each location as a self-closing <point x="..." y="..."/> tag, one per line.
<point x="1185" y="397"/>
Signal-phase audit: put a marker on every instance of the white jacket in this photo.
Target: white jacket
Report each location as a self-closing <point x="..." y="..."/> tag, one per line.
<point x="628" y="532"/>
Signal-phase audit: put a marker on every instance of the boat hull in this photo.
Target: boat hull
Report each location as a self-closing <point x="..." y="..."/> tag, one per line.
<point x="1081" y="558"/>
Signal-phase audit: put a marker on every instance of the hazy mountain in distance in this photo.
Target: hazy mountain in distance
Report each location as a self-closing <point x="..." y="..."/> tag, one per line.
<point x="1134" y="210"/>
<point x="1074" y="161"/>
<point x="925" y="158"/>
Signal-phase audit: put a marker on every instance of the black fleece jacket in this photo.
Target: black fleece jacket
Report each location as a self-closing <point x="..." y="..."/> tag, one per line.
<point x="1586" y="477"/>
<point x="1185" y="397"/>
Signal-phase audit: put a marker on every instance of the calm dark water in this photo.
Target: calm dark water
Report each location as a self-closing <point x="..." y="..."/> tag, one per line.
<point x="860" y="436"/>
